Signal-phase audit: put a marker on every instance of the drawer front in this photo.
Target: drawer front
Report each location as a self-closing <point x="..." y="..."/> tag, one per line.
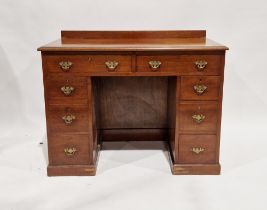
<point x="200" y="88"/>
<point x="197" y="149"/>
<point x="86" y="63"/>
<point x="198" y="117"/>
<point x="66" y="90"/>
<point x="68" y="149"/>
<point x="181" y="64"/>
<point x="67" y="119"/>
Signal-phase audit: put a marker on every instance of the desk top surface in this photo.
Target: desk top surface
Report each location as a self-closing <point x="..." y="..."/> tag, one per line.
<point x="133" y="41"/>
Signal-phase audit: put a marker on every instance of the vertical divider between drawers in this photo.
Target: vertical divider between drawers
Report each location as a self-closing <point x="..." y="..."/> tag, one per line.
<point x="178" y="85"/>
<point x="90" y="118"/>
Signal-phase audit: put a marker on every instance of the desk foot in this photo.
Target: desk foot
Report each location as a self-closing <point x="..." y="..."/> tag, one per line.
<point x="71" y="170"/>
<point x="196" y="169"/>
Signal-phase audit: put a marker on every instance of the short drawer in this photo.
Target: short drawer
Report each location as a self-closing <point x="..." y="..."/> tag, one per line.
<point x="66" y="89"/>
<point x="67" y="119"/>
<point x="86" y="63"/>
<point x="69" y="149"/>
<point x="198" y="117"/>
<point x="197" y="149"/>
<point x="200" y="88"/>
<point x="181" y="64"/>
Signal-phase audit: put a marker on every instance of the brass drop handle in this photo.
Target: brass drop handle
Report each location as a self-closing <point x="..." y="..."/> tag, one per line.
<point x="68" y="119"/>
<point x="197" y="150"/>
<point x="67" y="90"/>
<point x="70" y="151"/>
<point x="111" y="65"/>
<point x="65" y="65"/>
<point x="198" y="118"/>
<point x="201" y="65"/>
<point x="154" y="65"/>
<point x="200" y="89"/>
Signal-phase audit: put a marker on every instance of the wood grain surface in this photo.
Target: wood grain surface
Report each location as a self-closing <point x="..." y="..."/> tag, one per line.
<point x="133" y="102"/>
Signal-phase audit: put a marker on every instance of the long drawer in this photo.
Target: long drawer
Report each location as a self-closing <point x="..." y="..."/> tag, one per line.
<point x="87" y="63"/>
<point x="181" y="64"/>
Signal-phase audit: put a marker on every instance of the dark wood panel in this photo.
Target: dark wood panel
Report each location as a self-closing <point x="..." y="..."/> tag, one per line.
<point x="173" y="107"/>
<point x="93" y="114"/>
<point x="73" y="36"/>
<point x="134" y="134"/>
<point x="133" y="102"/>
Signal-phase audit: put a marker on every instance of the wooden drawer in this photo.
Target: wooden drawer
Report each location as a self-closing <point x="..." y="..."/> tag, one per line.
<point x="61" y="148"/>
<point x="85" y="63"/>
<point x="200" y="88"/>
<point x="198" y="117"/>
<point x="66" y="89"/>
<point x="197" y="149"/>
<point x="182" y="64"/>
<point x="67" y="119"/>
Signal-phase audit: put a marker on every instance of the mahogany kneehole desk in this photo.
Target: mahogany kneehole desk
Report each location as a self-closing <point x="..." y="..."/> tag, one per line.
<point x="133" y="85"/>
